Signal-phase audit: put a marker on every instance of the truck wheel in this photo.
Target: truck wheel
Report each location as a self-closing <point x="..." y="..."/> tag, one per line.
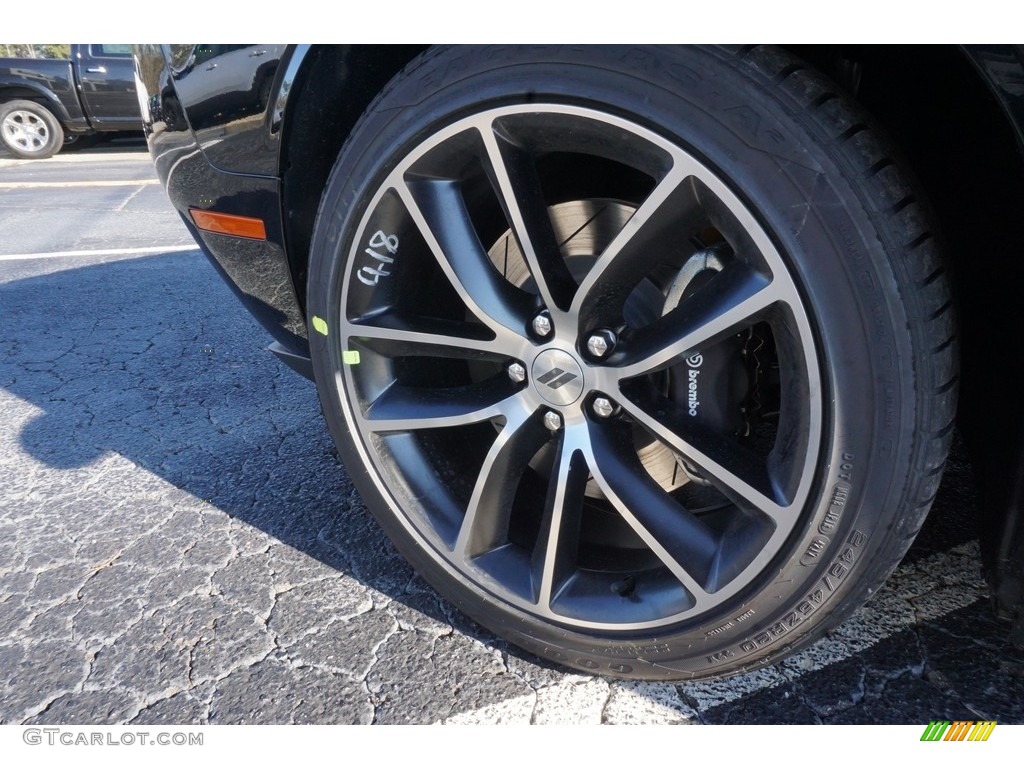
<point x="644" y="357"/>
<point x="30" y="130"/>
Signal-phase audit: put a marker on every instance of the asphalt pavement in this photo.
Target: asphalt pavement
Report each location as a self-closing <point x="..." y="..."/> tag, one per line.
<point x="179" y="543"/>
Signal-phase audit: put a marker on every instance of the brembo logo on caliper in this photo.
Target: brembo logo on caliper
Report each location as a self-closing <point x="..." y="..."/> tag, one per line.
<point x="694" y="362"/>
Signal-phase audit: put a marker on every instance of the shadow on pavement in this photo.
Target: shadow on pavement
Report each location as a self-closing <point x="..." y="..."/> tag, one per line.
<point x="155" y="360"/>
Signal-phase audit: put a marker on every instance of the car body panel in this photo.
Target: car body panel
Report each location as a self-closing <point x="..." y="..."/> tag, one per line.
<point x="225" y="90"/>
<point x="52" y="80"/>
<point x="256" y="270"/>
<point x="106" y="81"/>
<point x="1002" y="67"/>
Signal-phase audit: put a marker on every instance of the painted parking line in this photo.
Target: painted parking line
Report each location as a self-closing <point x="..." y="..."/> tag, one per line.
<point x="69" y="184"/>
<point x="99" y="157"/>
<point x="918" y="592"/>
<point x="101" y="252"/>
<point x="7" y="161"/>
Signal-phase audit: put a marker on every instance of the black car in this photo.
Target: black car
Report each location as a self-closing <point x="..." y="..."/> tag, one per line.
<point x="648" y="358"/>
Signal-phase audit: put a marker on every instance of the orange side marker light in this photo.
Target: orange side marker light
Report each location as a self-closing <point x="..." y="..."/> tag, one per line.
<point x="229" y="224"/>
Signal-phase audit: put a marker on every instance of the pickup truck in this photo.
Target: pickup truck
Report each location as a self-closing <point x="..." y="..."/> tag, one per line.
<point x="50" y="104"/>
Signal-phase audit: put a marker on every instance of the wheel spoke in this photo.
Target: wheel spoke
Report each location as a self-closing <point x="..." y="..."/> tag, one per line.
<point x="681" y="541"/>
<point x="641" y="240"/>
<point x="486" y="523"/>
<point x="735" y="296"/>
<point x="739" y="474"/>
<point x="437" y="208"/>
<point x="394" y="336"/>
<point x="554" y="555"/>
<point x="400" y="408"/>
<point x="515" y="179"/>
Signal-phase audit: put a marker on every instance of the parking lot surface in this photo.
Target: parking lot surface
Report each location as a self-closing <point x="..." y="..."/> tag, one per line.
<point x="179" y="544"/>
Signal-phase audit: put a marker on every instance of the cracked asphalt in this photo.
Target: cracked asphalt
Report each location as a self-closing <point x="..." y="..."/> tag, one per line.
<point x="179" y="544"/>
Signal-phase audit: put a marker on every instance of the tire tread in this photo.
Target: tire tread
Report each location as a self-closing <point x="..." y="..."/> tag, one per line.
<point x="923" y="280"/>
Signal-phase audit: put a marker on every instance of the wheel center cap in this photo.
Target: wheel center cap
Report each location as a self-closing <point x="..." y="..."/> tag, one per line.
<point x="557" y="377"/>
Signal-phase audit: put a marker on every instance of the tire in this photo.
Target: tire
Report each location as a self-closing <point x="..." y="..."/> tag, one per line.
<point x="173" y="114"/>
<point x="29" y="130"/>
<point x="713" y="427"/>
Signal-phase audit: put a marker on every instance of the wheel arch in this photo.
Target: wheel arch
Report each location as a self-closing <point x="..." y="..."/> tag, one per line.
<point x="327" y="85"/>
<point x="40" y="96"/>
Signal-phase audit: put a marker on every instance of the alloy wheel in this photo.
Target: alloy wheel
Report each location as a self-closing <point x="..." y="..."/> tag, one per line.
<point x="26" y="131"/>
<point x="579" y="368"/>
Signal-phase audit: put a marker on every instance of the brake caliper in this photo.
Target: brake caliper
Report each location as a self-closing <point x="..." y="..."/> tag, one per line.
<point x="713" y="382"/>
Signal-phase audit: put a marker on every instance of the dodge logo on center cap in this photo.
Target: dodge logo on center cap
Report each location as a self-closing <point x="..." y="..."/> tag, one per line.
<point x="557" y="377"/>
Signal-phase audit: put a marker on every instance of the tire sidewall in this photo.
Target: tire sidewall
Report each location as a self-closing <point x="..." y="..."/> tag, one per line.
<point x="826" y="230"/>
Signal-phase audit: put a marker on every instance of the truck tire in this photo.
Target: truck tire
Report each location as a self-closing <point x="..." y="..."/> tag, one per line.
<point x="29" y="130"/>
<point x="644" y="357"/>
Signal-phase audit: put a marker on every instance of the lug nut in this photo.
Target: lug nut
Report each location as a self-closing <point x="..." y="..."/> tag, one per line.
<point x="542" y="324"/>
<point x="516" y="372"/>
<point x="552" y="421"/>
<point x="600" y="343"/>
<point x="603" y="407"/>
